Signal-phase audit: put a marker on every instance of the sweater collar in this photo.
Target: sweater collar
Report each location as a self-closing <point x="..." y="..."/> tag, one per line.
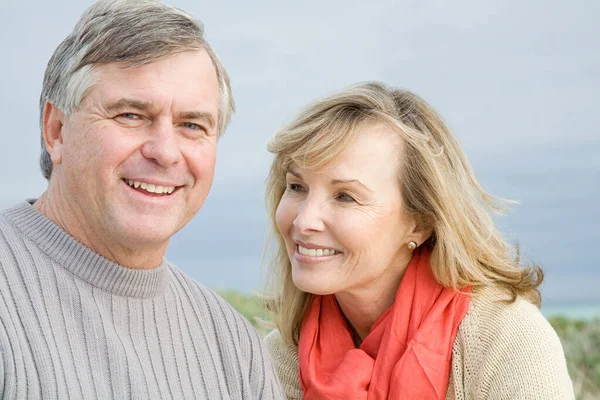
<point x="83" y="262"/>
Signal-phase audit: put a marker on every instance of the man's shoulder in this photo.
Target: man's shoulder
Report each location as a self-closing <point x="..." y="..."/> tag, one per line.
<point x="209" y="305"/>
<point x="194" y="288"/>
<point x="10" y="235"/>
<point x="200" y="294"/>
<point x="11" y="218"/>
<point x="220" y="325"/>
<point x="6" y="225"/>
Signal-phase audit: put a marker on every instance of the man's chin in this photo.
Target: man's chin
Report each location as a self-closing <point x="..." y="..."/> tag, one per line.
<point x="148" y="234"/>
<point x="137" y="234"/>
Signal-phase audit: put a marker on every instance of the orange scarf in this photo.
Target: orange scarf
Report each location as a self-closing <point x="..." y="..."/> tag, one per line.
<point x="406" y="355"/>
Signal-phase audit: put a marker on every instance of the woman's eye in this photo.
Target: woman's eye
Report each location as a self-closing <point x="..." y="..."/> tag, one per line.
<point x="294" y="187"/>
<point x="345" y="197"/>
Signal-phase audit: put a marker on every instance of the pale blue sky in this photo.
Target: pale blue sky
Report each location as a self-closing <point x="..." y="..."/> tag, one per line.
<point x="516" y="81"/>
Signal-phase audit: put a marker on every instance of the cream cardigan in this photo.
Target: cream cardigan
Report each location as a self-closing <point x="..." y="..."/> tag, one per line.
<point x="501" y="351"/>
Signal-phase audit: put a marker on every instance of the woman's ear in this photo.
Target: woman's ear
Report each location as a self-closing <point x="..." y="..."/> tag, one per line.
<point x="424" y="234"/>
<point x="52" y="129"/>
<point x="419" y="231"/>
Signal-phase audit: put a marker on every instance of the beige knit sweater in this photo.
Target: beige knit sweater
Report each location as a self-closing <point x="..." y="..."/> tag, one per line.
<point x="501" y="352"/>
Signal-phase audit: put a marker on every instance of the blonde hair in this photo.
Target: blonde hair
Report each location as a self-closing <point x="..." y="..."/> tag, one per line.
<point x="438" y="187"/>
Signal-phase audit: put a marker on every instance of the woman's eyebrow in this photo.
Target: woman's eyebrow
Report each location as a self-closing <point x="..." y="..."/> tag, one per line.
<point x="333" y="181"/>
<point x="295" y="173"/>
<point x="346" y="181"/>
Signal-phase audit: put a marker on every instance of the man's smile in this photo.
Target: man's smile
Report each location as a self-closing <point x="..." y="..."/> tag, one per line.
<point x="150" y="187"/>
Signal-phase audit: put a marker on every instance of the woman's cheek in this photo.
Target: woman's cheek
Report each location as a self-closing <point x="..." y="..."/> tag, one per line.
<point x="282" y="216"/>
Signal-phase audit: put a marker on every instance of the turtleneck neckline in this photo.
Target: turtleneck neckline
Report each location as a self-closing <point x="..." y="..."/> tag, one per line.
<point x="83" y="262"/>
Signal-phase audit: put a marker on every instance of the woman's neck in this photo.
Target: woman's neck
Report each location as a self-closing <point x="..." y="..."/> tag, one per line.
<point x="363" y="306"/>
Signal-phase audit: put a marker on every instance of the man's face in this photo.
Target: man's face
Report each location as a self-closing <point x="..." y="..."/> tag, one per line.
<point x="137" y="159"/>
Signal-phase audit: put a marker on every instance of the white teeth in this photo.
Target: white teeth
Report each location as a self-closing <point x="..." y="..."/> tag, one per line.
<point x="150" y="187"/>
<point x="315" y="252"/>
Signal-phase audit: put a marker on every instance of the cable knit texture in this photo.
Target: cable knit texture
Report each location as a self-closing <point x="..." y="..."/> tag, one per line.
<point x="74" y="325"/>
<point x="501" y="352"/>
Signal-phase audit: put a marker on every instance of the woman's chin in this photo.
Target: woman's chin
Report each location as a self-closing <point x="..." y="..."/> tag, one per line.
<point x="312" y="283"/>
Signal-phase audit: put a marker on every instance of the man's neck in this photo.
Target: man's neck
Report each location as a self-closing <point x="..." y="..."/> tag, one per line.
<point x="69" y="221"/>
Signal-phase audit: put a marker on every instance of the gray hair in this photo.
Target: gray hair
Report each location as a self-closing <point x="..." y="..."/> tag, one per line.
<point x="136" y="32"/>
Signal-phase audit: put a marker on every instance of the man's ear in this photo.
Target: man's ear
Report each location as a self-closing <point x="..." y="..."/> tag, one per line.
<point x="52" y="129"/>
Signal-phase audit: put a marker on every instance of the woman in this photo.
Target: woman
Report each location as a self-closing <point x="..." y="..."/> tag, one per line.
<point x="390" y="278"/>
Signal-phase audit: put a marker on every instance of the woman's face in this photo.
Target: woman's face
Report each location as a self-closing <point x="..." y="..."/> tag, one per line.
<point x="343" y="225"/>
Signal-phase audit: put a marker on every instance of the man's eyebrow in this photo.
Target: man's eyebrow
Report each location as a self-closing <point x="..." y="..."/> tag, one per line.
<point x="129" y="103"/>
<point x="346" y="181"/>
<point x="198" y="115"/>
<point x="146" y="106"/>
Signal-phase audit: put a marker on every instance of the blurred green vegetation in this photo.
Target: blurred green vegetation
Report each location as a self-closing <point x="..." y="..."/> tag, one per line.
<point x="580" y="340"/>
<point x="250" y="306"/>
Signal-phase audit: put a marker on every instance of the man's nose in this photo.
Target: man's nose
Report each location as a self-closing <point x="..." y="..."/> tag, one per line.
<point x="310" y="216"/>
<point x="162" y="145"/>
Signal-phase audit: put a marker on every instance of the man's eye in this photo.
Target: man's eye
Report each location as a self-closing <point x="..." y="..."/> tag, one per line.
<point x="192" y="126"/>
<point x="130" y="116"/>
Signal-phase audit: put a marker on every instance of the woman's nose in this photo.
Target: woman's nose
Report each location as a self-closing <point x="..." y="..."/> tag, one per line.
<point x="310" y="216"/>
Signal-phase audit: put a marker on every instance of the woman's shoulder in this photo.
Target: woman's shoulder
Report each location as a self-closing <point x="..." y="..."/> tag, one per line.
<point x="505" y="347"/>
<point x="494" y="320"/>
<point x="285" y="360"/>
<point x="493" y="315"/>
<point x="281" y="350"/>
<point x="491" y="309"/>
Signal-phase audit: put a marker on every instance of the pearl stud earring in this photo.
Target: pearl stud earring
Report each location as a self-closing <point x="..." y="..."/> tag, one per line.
<point x="412" y="245"/>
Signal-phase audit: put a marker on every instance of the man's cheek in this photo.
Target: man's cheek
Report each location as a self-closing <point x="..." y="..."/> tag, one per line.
<point x="204" y="168"/>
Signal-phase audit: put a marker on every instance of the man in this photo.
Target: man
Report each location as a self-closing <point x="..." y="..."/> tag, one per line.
<point x="132" y="106"/>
